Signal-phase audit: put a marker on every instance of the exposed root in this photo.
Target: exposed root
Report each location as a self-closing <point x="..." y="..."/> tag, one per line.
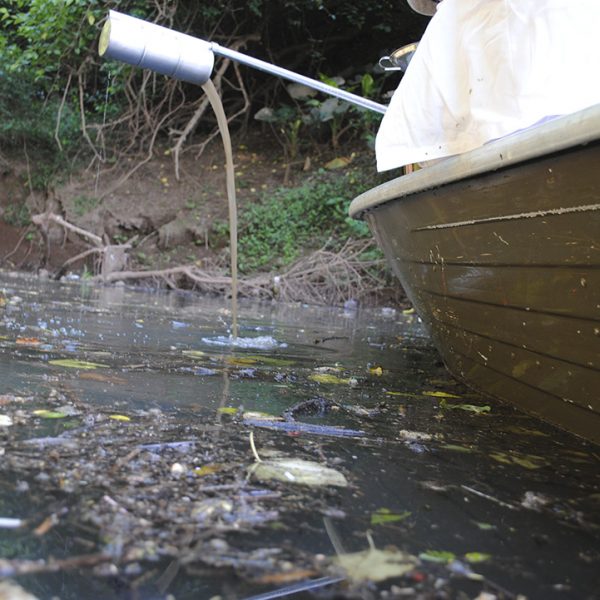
<point x="322" y="277"/>
<point x="112" y="257"/>
<point x="333" y="277"/>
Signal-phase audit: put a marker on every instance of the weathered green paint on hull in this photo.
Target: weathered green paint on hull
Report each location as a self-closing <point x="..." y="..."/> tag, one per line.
<point x="504" y="269"/>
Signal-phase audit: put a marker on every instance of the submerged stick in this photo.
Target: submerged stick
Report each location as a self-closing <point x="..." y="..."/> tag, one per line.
<point x="303" y="586"/>
<point x="297" y="427"/>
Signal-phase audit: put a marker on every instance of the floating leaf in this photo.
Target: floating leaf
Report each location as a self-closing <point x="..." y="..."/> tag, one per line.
<point x="531" y="462"/>
<point x="525" y="431"/>
<point x="376" y="565"/>
<point x="103" y="378"/>
<point x="208" y="469"/>
<point x="477" y="557"/>
<point x="328" y="378"/>
<point x="256" y="415"/>
<point x="415" y="436"/>
<point x="76" y="364"/>
<point x="194" y="353"/>
<point x="485" y="526"/>
<point x="437" y="556"/>
<point x="467" y="407"/>
<point x="227" y="410"/>
<point x="527" y="461"/>
<point x="272" y="361"/>
<point x="457" y="448"/>
<point x="119" y="417"/>
<point x="292" y="470"/>
<point x="440" y="395"/>
<point x="28" y="341"/>
<point x="49" y="414"/>
<point x="240" y="361"/>
<point x="5" y="421"/>
<point x="376" y="371"/>
<point x="385" y="515"/>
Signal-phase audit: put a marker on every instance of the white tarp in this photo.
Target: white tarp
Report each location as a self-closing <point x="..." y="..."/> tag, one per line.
<point x="487" y="68"/>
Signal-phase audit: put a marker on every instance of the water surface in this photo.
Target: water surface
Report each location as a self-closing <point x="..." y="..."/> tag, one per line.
<point x="142" y="455"/>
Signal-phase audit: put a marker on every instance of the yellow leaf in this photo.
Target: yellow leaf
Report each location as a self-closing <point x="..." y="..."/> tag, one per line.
<point x="338" y="163"/>
<point x="328" y="378"/>
<point x="194" y="353"/>
<point x="227" y="410"/>
<point x="376" y="371"/>
<point x="49" y="414"/>
<point x="76" y="364"/>
<point x="119" y="418"/>
<point x="240" y="361"/>
<point x="208" y="469"/>
<point x="440" y="395"/>
<point x="477" y="557"/>
<point x="91" y="19"/>
<point x="256" y="415"/>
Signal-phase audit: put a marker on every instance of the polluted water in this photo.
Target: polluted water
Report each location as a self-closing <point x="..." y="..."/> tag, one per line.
<point x="217" y="105"/>
<point x="334" y="457"/>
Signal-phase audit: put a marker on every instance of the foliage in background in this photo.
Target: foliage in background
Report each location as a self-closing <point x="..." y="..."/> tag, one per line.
<point x="50" y="47"/>
<point x="275" y="232"/>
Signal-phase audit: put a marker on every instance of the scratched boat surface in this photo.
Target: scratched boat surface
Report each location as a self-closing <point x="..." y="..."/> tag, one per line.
<point x="499" y="251"/>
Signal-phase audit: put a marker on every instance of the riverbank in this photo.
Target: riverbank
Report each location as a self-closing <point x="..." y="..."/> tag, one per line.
<point x="296" y="241"/>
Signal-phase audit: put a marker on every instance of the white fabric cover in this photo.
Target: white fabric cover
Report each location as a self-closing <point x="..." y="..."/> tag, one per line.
<point x="487" y="68"/>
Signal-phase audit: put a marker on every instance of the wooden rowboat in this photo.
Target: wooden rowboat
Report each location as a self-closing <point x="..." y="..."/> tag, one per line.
<point x="499" y="251"/>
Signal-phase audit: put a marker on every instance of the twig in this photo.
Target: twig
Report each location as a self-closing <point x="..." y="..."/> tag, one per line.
<point x="42" y="220"/>
<point x="83" y="121"/>
<point x="16" y="567"/>
<point x="253" y="447"/>
<point x="59" y="112"/>
<point x="19" y="242"/>
<point x="488" y="497"/>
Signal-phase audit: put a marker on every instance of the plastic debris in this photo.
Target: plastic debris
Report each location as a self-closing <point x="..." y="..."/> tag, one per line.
<point x="297" y="471"/>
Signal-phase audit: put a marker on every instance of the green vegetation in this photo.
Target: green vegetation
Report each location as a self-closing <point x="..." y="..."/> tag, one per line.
<point x="17" y="215"/>
<point x="275" y="231"/>
<point x="58" y="99"/>
<point x="84" y="204"/>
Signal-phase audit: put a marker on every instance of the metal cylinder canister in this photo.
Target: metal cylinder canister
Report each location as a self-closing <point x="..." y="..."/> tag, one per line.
<point x="146" y="45"/>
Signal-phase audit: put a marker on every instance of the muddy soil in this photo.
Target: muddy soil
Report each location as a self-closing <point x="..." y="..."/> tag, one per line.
<point x="170" y="220"/>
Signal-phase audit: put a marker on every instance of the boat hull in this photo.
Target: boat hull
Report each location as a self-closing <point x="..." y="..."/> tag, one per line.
<point x="504" y="269"/>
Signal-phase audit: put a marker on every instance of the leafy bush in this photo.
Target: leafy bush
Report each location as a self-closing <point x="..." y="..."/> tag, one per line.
<point x="276" y="231"/>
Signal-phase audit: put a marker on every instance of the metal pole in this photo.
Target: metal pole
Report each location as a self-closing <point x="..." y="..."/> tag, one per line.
<point x="181" y="56"/>
<point x="261" y="65"/>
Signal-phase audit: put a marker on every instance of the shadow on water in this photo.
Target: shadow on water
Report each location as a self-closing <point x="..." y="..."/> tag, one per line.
<point x="127" y="470"/>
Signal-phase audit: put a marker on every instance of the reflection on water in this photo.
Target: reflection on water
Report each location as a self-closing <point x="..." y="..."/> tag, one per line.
<point x="480" y="496"/>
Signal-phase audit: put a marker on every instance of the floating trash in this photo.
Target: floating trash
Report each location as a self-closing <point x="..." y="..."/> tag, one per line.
<point x="262" y="342"/>
<point x="298" y="471"/>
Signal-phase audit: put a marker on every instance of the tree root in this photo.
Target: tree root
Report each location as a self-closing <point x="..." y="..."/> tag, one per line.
<point x="322" y="277"/>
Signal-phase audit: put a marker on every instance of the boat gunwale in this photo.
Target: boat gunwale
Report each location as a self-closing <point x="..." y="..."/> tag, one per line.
<point x="561" y="133"/>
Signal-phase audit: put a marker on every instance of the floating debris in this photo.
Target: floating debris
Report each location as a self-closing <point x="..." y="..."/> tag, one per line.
<point x="297" y="471"/>
<point x="10" y="523"/>
<point x="263" y="342"/>
<point x="376" y="565"/>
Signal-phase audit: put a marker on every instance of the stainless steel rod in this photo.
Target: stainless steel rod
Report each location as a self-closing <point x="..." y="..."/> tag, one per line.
<point x="262" y="65"/>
